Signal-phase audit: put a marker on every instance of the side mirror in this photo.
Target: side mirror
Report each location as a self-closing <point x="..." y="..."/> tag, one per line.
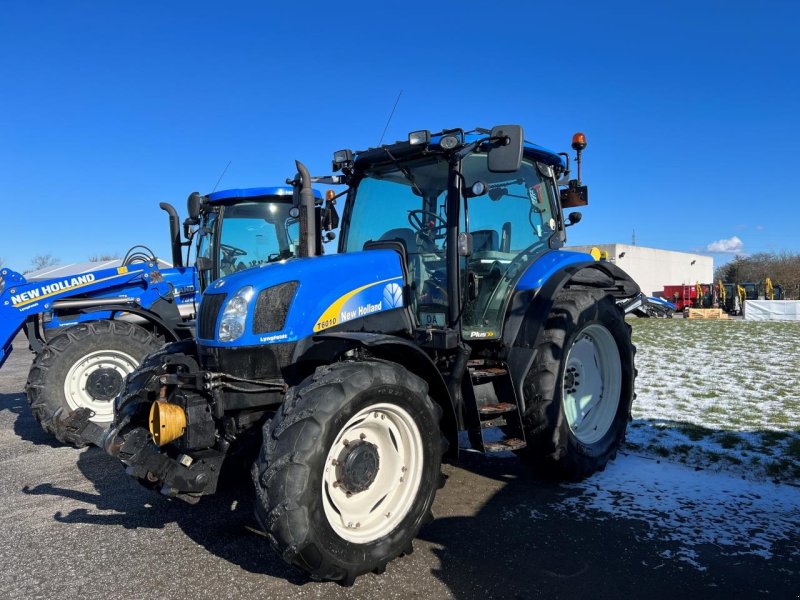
<point x="573" y="219"/>
<point x="193" y="205"/>
<point x="505" y="155"/>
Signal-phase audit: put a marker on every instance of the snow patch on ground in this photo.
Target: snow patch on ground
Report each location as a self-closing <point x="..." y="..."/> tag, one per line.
<point x="689" y="508"/>
<point x="720" y="395"/>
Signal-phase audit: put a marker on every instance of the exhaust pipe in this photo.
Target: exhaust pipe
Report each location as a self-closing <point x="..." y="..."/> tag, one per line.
<point x="174" y="233"/>
<point x="308" y="232"/>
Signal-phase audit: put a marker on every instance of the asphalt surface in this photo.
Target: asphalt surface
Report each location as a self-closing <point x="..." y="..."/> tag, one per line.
<point x="72" y="524"/>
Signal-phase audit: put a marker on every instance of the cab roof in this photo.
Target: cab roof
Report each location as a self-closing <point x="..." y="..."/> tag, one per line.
<point x="263" y="194"/>
<point x="403" y="149"/>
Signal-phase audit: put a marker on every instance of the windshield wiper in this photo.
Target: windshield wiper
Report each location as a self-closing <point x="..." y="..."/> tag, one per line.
<point x="404" y="171"/>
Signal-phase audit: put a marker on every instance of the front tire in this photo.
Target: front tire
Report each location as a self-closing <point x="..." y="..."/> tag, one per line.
<point x="349" y="469"/>
<point x="579" y="389"/>
<point x="85" y="367"/>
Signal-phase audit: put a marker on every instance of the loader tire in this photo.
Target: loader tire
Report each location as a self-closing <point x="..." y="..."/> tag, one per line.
<point x="85" y="366"/>
<point x="336" y="504"/>
<point x="580" y="388"/>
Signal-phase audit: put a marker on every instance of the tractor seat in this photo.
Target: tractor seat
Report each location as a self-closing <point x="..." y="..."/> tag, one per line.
<point x="405" y="235"/>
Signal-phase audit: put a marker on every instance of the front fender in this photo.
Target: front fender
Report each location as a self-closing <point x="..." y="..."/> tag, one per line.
<point x="326" y="347"/>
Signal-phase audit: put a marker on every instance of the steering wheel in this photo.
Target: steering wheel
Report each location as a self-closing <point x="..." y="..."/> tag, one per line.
<point x="228" y="258"/>
<point x="232" y="252"/>
<point x="426" y="222"/>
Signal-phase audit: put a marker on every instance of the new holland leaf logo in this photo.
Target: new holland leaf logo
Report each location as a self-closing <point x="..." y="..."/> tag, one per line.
<point x="393" y="295"/>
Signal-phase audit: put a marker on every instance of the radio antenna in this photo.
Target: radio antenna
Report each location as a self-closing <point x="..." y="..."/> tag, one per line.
<point x="391" y="114"/>
<point x="221" y="175"/>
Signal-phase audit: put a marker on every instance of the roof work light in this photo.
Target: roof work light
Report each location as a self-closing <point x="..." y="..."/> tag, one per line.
<point x="419" y="137"/>
<point x="342" y="158"/>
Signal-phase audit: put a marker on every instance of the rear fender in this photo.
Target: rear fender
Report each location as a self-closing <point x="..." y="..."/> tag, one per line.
<point x="529" y="309"/>
<point x="328" y="347"/>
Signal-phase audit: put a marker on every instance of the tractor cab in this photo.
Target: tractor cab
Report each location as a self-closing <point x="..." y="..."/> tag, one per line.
<point x="468" y="223"/>
<point x="241" y="228"/>
<point x="750" y="291"/>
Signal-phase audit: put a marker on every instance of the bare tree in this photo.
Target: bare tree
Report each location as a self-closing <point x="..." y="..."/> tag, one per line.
<point x="782" y="268"/>
<point x="42" y="261"/>
<point x="103" y="257"/>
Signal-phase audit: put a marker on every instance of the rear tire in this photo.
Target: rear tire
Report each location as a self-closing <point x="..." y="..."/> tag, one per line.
<point x="85" y="367"/>
<point x="579" y="390"/>
<point x="338" y="520"/>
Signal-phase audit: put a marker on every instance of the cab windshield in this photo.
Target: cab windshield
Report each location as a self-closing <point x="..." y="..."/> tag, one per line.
<point x="248" y="234"/>
<point x="510" y="225"/>
<point x="256" y="233"/>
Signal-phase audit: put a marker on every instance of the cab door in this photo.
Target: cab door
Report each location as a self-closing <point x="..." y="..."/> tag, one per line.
<point x="511" y="226"/>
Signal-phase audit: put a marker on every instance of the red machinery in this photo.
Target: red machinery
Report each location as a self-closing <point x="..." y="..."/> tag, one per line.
<point x="686" y="296"/>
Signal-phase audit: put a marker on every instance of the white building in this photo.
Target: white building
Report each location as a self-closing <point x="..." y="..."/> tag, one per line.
<point x="652" y="268"/>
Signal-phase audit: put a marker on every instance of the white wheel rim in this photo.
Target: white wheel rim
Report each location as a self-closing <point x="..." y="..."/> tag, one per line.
<point x="370" y="514"/>
<point x="75" y="390"/>
<point x="592" y="383"/>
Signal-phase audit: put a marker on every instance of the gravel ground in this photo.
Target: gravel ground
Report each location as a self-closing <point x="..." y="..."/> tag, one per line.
<point x="73" y="525"/>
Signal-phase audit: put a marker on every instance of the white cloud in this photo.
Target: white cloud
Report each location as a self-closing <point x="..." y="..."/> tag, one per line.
<point x="733" y="245"/>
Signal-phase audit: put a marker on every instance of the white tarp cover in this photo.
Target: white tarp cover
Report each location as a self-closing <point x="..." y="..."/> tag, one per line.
<point x="772" y="310"/>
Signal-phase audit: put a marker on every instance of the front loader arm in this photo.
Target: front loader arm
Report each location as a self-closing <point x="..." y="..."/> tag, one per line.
<point x="23" y="301"/>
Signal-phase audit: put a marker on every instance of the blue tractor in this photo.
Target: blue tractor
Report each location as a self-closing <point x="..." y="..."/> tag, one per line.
<point x="90" y="330"/>
<point x="346" y="379"/>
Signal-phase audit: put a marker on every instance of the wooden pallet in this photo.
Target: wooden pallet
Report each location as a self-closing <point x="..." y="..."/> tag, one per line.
<point x="707" y="313"/>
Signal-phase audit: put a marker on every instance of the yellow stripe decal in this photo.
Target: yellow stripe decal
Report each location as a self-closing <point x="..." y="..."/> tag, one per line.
<point x="330" y="317"/>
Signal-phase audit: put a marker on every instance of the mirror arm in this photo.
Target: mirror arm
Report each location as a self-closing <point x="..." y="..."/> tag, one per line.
<point x="565" y="174"/>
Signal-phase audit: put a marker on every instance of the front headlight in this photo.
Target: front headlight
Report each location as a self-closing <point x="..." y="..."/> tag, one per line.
<point x="234" y="315"/>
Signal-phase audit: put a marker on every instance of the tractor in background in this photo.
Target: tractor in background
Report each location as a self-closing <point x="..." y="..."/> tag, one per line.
<point x="90" y="330"/>
<point x="451" y="306"/>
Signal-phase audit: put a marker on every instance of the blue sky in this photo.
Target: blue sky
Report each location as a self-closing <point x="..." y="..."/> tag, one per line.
<point x="108" y="108"/>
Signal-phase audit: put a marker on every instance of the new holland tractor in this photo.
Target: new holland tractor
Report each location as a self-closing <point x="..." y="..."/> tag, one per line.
<point x="90" y="330"/>
<point x="450" y="306"/>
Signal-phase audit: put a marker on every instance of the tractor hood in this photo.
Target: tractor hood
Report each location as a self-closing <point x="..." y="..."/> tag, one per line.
<point x="296" y="298"/>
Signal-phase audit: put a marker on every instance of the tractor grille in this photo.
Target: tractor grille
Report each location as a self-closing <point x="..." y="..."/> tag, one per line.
<point x="272" y="307"/>
<point x="210" y="305"/>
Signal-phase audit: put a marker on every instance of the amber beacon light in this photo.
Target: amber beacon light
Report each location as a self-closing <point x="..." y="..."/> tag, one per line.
<point x="578" y="144"/>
